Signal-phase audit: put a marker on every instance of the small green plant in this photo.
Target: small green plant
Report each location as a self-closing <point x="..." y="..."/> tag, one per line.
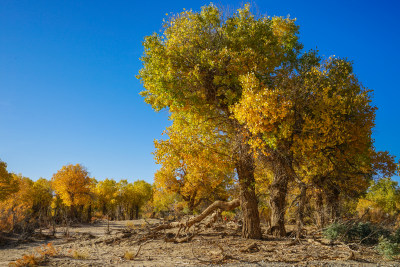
<point x="388" y="248"/>
<point x="362" y="232"/>
<point x="334" y="231"/>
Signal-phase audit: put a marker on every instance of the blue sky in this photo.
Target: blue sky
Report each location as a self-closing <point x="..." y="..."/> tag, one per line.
<point x="68" y="92"/>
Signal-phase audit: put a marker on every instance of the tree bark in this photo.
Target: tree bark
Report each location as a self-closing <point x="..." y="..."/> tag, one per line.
<point x="248" y="199"/>
<point x="279" y="189"/>
<point x="332" y="204"/>
<point x="89" y="213"/>
<point x="300" y="210"/>
<point x="104" y="209"/>
<point x="131" y="212"/>
<point x="319" y="203"/>
<point x="137" y="212"/>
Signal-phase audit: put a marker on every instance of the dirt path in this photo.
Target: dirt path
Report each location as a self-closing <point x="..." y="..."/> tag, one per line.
<point x="89" y="245"/>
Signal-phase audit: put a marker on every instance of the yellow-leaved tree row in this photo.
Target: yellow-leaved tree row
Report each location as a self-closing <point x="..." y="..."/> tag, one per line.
<point x="70" y="196"/>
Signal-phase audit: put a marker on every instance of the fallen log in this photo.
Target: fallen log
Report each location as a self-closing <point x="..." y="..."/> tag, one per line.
<point x="221" y="205"/>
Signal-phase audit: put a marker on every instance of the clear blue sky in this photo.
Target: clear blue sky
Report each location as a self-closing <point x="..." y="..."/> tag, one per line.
<point x="68" y="92"/>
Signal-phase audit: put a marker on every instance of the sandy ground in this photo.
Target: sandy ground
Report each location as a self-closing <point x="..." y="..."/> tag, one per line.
<point x="221" y="245"/>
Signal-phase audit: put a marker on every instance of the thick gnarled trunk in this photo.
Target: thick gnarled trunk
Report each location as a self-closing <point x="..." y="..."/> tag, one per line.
<point x="279" y="188"/>
<point x="248" y="200"/>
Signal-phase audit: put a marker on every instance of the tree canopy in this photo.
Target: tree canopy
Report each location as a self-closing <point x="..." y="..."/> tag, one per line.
<point x="244" y="82"/>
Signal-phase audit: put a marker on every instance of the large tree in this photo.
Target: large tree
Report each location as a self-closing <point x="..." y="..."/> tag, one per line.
<point x="194" y="69"/>
<point x="314" y="119"/>
<point x="73" y="185"/>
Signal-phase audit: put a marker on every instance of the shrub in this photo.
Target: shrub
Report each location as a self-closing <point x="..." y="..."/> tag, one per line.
<point x="129" y="256"/>
<point x="395" y="237"/>
<point x="388" y="248"/>
<point x="334" y="231"/>
<point x="365" y="233"/>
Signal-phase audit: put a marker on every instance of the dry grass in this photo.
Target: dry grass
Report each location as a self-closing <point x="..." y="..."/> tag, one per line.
<point x="79" y="255"/>
<point x="129" y="256"/>
<point x="44" y="251"/>
<point x="26" y="260"/>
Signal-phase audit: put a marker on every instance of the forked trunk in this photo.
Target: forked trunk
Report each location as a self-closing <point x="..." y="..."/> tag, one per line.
<point x="248" y="200"/>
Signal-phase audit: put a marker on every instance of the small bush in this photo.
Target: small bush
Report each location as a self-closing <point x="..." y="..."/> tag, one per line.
<point x="365" y="233"/>
<point x="334" y="231"/>
<point x="129" y="256"/>
<point x="388" y="248"/>
<point x="395" y="237"/>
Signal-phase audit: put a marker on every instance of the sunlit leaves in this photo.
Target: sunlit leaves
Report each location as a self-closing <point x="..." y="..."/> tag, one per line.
<point x="383" y="195"/>
<point x="7" y="183"/>
<point x="72" y="183"/>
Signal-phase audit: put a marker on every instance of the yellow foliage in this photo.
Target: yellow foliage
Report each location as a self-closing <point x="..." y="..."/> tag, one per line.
<point x="18" y="205"/>
<point x="7" y="183"/>
<point x="129" y="255"/>
<point x="72" y="184"/>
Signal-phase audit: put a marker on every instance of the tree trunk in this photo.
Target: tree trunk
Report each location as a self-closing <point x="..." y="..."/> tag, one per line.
<point x="89" y="213"/>
<point x="191" y="202"/>
<point x="300" y="209"/>
<point x="279" y="189"/>
<point x="319" y="203"/>
<point x="73" y="213"/>
<point x="104" y="210"/>
<point x="332" y="204"/>
<point x="131" y="212"/>
<point x="137" y="212"/>
<point x="248" y="200"/>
